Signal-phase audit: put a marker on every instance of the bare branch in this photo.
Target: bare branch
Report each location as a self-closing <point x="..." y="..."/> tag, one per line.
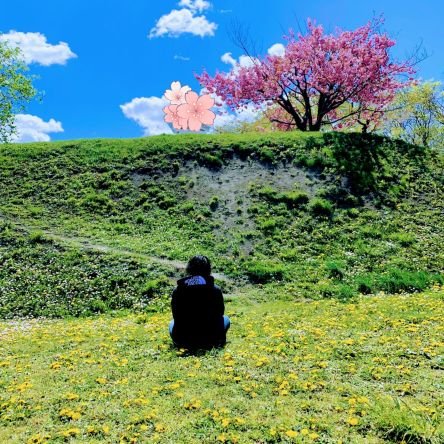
<point x="240" y="35"/>
<point x="418" y="54"/>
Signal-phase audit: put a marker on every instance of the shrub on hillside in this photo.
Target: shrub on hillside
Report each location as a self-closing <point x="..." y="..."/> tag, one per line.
<point x="292" y="199"/>
<point x="155" y="287"/>
<point x="261" y="272"/>
<point x="321" y="207"/>
<point x="97" y="202"/>
<point x="214" y="203"/>
<point x="397" y="281"/>
<point x="335" y="269"/>
<point x="211" y="161"/>
<point x="36" y="237"/>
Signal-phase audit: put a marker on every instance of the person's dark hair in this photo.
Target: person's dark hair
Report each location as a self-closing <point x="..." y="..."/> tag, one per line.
<point x="199" y="265"/>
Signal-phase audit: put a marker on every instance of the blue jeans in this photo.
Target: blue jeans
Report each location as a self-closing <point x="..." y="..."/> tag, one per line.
<point x="227" y="324"/>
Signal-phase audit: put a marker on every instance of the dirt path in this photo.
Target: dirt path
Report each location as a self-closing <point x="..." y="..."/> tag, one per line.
<point x="87" y="244"/>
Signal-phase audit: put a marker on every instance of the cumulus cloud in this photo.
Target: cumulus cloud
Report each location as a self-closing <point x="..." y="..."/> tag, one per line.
<point x="185" y="21"/>
<point x="228" y="58"/>
<point x="33" y="129"/>
<point x="195" y="5"/>
<point x="36" y="49"/>
<point x="229" y="120"/>
<point x="244" y="61"/>
<point x="278" y="49"/>
<point x="148" y="113"/>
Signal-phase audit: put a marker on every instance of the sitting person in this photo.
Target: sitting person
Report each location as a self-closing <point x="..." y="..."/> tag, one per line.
<point x="198" y="309"/>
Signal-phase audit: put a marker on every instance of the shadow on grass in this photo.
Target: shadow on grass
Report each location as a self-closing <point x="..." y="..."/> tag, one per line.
<point x="196" y="351"/>
<point x="371" y="161"/>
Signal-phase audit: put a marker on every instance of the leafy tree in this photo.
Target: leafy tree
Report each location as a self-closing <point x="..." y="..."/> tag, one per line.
<point x="15" y="89"/>
<point x="316" y="76"/>
<point x="261" y="124"/>
<point x="418" y="115"/>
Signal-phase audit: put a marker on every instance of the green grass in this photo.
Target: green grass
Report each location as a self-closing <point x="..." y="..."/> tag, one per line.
<point x="371" y="203"/>
<point x="39" y="277"/>
<point x="320" y="371"/>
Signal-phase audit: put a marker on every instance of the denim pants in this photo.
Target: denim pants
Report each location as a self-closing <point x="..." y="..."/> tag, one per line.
<point x="227" y="324"/>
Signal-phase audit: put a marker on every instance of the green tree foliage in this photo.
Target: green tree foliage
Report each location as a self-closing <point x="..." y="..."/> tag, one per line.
<point x="15" y="89"/>
<point x="260" y="124"/>
<point x="418" y="115"/>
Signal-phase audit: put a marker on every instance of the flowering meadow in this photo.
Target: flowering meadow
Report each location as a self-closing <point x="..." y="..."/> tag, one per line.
<point x="291" y="372"/>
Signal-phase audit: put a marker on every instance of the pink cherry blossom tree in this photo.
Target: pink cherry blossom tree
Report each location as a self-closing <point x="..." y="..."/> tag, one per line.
<point x="339" y="79"/>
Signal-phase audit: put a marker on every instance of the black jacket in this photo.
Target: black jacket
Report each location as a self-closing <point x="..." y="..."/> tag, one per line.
<point x="198" y="307"/>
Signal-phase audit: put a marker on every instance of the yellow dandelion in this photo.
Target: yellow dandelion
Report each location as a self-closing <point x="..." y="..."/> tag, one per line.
<point x="291" y="433"/>
<point x="159" y="427"/>
<point x="38" y="439"/>
<point x="70" y="432"/>
<point x="225" y="422"/>
<point x="353" y="421"/>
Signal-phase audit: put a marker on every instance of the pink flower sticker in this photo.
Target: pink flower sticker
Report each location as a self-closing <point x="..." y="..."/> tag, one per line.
<point x="173" y="117"/>
<point x="176" y="95"/>
<point x="196" y="110"/>
<point x="188" y="110"/>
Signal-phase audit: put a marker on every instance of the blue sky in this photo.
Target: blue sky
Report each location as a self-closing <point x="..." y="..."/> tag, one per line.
<point x="109" y="59"/>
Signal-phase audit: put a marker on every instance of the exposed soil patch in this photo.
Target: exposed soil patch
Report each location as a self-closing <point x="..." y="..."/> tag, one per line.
<point x="231" y="186"/>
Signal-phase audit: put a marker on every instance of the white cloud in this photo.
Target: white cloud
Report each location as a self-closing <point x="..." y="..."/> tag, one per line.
<point x="148" y="113"/>
<point x="36" y="49"/>
<point x="182" y="21"/>
<point x="278" y="49"/>
<point x="228" y="58"/>
<point x="195" y="5"/>
<point x="244" y="61"/>
<point x="33" y="129"/>
<point x="183" y="58"/>
<point x="229" y="120"/>
<point x="185" y="20"/>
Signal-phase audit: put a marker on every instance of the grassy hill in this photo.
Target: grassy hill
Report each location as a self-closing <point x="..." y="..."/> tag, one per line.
<point x="329" y="251"/>
<point x="83" y="224"/>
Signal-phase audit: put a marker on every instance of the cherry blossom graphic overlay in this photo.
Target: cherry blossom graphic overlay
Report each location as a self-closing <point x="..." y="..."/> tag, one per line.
<point x="188" y="110"/>
<point x="176" y="95"/>
<point x="171" y="116"/>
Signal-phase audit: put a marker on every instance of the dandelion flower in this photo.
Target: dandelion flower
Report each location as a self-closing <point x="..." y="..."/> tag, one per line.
<point x="353" y="421"/>
<point x="291" y="433"/>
